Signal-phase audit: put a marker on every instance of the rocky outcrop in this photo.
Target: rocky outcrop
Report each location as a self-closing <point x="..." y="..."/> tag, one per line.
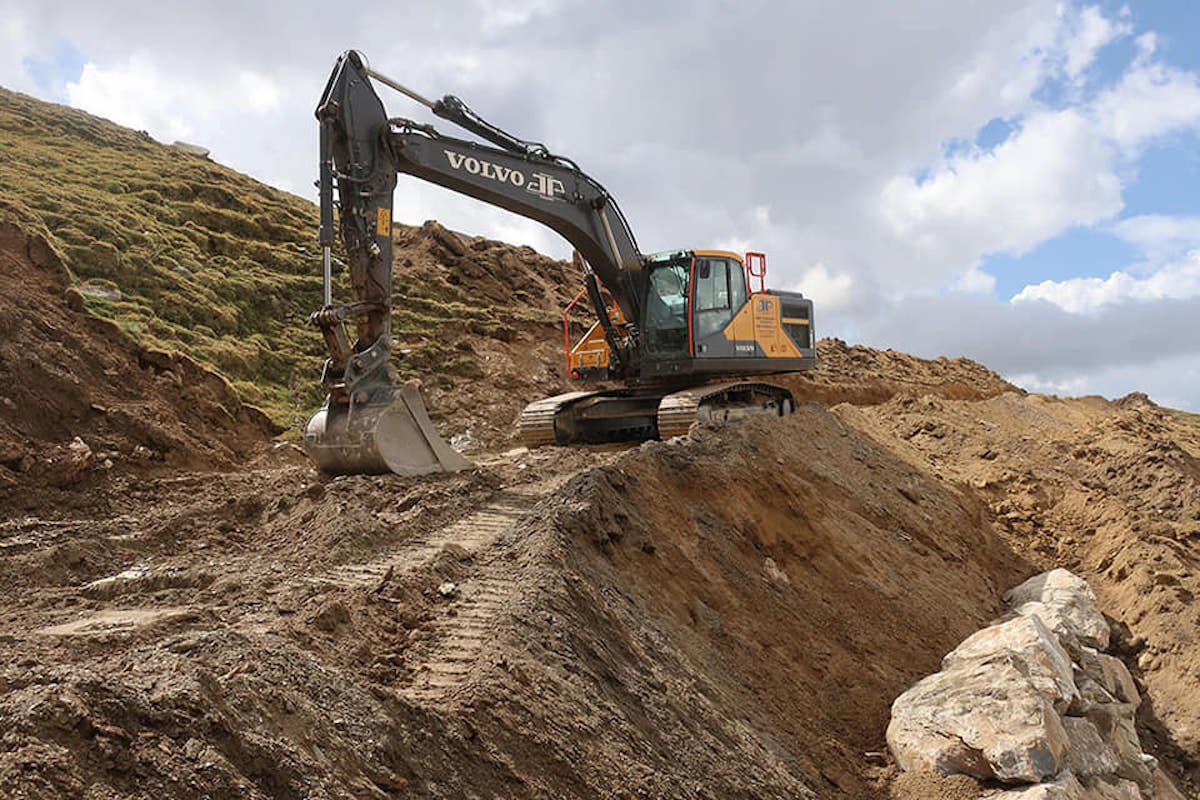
<point x="1033" y="701"/>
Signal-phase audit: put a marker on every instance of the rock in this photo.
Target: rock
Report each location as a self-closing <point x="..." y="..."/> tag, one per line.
<point x="1065" y="603"/>
<point x="465" y="442"/>
<point x="190" y="149"/>
<point x="1092" y="695"/>
<point x="1045" y="662"/>
<point x="446" y="238"/>
<point x="775" y="576"/>
<point x="987" y="720"/>
<point x="1116" y="726"/>
<point x="1164" y="789"/>
<point x="1088" y="754"/>
<point x="1064" y="787"/>
<point x="74" y="299"/>
<point x="1112" y="789"/>
<point x="447" y="589"/>
<point x="70" y="463"/>
<point x="1111" y="673"/>
<point x="99" y="291"/>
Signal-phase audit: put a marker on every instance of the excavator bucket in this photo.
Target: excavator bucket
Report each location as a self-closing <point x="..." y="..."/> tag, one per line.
<point x="389" y="432"/>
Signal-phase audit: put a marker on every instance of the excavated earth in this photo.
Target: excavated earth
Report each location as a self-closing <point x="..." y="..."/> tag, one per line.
<point x="194" y="612"/>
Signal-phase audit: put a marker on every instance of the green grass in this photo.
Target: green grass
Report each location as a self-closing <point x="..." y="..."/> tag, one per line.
<point x="209" y="262"/>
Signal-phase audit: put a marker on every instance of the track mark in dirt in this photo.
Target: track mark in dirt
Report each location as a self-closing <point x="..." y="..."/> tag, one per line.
<point x="445" y="660"/>
<point x="441" y="661"/>
<point x="474" y="534"/>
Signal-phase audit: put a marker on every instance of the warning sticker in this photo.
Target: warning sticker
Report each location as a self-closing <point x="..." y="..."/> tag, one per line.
<point x="383" y="223"/>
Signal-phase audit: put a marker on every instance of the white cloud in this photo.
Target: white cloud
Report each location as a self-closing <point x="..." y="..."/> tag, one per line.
<point x="835" y="290"/>
<point x="1159" y="236"/>
<point x="1116" y="349"/>
<point x="1053" y="173"/>
<point x="258" y="93"/>
<point x="1092" y="31"/>
<point x="141" y="94"/>
<point x="134" y="95"/>
<point x="1150" y="101"/>
<point x="1083" y="295"/>
<point x="975" y="281"/>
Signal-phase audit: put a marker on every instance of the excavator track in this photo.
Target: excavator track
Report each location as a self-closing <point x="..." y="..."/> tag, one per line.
<point x="628" y="415"/>
<point x="721" y="402"/>
<point x="537" y="419"/>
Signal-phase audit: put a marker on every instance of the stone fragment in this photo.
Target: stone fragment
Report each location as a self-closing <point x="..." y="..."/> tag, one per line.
<point x="1088" y="755"/>
<point x="1064" y="787"/>
<point x="70" y="462"/>
<point x="1047" y="665"/>
<point x="190" y="149"/>
<point x="987" y="720"/>
<point x="1111" y="673"/>
<point x="1112" y="789"/>
<point x="1164" y="789"/>
<point x="1091" y="695"/>
<point x="1065" y="603"/>
<point x="1116" y="726"/>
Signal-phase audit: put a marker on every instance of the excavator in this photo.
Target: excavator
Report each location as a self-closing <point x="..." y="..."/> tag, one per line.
<point x="683" y="332"/>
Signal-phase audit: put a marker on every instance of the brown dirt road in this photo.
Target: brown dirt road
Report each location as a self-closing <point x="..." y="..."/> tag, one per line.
<point x="725" y="615"/>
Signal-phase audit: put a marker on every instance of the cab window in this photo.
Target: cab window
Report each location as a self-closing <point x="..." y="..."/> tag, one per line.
<point x="714" y="300"/>
<point x="666" y="309"/>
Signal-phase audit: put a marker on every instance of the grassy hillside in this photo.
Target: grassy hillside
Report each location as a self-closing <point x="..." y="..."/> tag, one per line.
<point x="205" y="260"/>
<point x="188" y="255"/>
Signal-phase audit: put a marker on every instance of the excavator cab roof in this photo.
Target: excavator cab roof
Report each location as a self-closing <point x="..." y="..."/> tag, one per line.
<point x="676" y="255"/>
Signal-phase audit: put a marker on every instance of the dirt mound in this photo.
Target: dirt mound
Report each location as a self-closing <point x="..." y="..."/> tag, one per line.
<point x="866" y="376"/>
<point x="82" y="399"/>
<point x="726" y="616"/>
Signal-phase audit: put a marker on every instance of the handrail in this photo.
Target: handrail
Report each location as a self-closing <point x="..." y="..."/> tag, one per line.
<point x="567" y="328"/>
<point x="761" y="272"/>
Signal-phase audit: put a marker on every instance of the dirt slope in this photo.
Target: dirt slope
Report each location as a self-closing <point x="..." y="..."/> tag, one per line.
<point x="67" y="374"/>
<point x="1110" y="490"/>
<point x="633" y="628"/>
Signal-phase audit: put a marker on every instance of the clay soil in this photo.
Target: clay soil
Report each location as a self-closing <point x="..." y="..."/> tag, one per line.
<point x="728" y="614"/>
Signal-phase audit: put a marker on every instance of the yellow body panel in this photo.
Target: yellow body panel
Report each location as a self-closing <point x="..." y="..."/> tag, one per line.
<point x="760" y="321"/>
<point x="718" y="254"/>
<point x="591" y="351"/>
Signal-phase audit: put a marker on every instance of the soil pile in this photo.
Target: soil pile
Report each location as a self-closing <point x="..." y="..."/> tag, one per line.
<point x="721" y="616"/>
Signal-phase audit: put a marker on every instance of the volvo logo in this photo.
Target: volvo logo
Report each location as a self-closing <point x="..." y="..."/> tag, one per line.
<point x="545" y="186"/>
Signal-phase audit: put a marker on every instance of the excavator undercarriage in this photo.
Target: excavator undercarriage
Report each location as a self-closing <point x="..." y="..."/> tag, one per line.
<point x="622" y="415"/>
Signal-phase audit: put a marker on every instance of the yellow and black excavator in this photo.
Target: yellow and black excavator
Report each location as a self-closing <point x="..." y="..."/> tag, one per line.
<point x="684" y="331"/>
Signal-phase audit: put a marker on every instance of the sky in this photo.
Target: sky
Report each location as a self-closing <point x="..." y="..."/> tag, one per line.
<point x="1014" y="181"/>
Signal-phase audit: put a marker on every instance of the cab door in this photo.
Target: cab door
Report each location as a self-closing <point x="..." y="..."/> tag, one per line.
<point x="718" y="292"/>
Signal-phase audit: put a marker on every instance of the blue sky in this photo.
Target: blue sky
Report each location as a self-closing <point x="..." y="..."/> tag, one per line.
<point x="1163" y="180"/>
<point x="999" y="180"/>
